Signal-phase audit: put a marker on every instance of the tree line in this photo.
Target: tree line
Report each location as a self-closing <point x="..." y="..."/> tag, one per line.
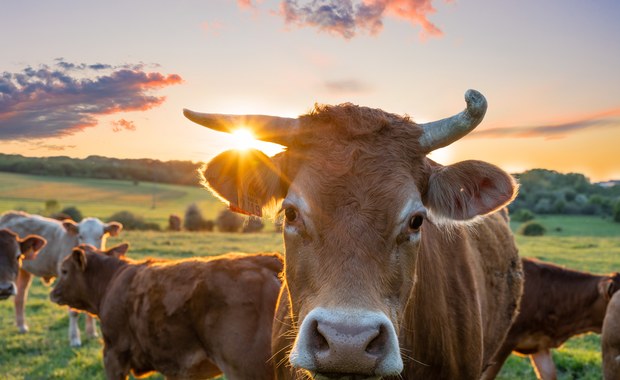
<point x="544" y="191"/>
<point x="541" y="191"/>
<point x="148" y="170"/>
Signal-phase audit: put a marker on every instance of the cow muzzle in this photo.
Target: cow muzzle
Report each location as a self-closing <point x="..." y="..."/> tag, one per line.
<point x="7" y="289"/>
<point x="347" y="344"/>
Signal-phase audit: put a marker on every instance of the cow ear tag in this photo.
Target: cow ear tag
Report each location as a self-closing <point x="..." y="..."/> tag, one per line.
<point x="247" y="203"/>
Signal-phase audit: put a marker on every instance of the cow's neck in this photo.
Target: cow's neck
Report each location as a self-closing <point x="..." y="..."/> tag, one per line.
<point x="100" y="271"/>
<point x="579" y="290"/>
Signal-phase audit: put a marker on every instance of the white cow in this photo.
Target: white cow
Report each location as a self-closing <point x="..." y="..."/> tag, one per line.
<point x="61" y="237"/>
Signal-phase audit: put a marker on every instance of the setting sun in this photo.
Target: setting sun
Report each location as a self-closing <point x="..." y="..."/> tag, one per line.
<point x="243" y="139"/>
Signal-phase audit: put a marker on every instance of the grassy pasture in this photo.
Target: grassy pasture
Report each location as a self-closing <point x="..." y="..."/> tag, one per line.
<point x="585" y="243"/>
<point x="102" y="198"/>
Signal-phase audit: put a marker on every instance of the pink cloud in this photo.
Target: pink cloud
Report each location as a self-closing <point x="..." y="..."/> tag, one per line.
<point x="67" y="98"/>
<point x="123" y="125"/>
<point x="347" y="17"/>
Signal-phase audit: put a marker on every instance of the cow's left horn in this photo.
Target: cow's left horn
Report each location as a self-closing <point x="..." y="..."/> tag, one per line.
<point x="280" y="130"/>
<point x="444" y="132"/>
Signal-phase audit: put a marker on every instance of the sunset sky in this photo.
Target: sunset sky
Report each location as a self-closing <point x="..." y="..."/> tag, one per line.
<point x="111" y="78"/>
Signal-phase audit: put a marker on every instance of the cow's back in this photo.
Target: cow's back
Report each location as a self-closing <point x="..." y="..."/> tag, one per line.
<point x="469" y="284"/>
<point x="59" y="243"/>
<point x="185" y="316"/>
<point x="611" y="339"/>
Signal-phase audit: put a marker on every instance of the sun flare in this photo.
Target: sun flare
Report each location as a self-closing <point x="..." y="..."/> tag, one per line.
<point x="243" y="139"/>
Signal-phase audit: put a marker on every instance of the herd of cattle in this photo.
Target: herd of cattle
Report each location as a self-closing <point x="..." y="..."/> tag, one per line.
<point x="395" y="266"/>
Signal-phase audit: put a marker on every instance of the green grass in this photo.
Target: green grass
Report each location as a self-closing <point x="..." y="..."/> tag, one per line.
<point x="102" y="198"/>
<point x="584" y="243"/>
<point x="44" y="352"/>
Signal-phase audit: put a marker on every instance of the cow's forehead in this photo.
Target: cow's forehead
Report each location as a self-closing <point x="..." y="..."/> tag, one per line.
<point x="91" y="226"/>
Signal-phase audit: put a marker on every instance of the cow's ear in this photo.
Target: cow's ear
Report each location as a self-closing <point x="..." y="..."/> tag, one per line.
<point x="71" y="226"/>
<point x="467" y="189"/>
<point x="33" y="242"/>
<point x="607" y="288"/>
<point x="118" y="251"/>
<point x="113" y="228"/>
<point x="79" y="256"/>
<point x="247" y="180"/>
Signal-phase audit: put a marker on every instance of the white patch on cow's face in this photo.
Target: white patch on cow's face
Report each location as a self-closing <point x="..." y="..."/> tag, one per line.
<point x="91" y="231"/>
<point x="296" y="200"/>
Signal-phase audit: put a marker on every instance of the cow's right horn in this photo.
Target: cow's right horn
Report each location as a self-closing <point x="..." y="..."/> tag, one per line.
<point x="444" y="132"/>
<point x="280" y="130"/>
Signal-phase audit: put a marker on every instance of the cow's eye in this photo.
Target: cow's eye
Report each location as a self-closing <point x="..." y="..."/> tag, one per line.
<point x="291" y="214"/>
<point x="64" y="272"/>
<point x="415" y="222"/>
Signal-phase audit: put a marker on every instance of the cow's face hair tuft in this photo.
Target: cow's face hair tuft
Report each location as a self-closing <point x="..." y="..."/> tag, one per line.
<point x="356" y="192"/>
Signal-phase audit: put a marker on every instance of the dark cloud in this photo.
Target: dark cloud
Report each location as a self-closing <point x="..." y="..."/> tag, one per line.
<point x="349" y="86"/>
<point x="123" y="125"/>
<point x="61" y="100"/>
<point x="347" y="17"/>
<point x="605" y="119"/>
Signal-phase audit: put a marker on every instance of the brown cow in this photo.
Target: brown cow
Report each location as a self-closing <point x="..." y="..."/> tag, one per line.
<point x="189" y="319"/>
<point x="557" y="304"/>
<point x="12" y="250"/>
<point x="384" y="275"/>
<point x="610" y="339"/>
<point x="61" y="237"/>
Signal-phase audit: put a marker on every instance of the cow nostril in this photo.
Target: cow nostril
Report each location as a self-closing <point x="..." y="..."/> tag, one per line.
<point x="376" y="347"/>
<point x="319" y="342"/>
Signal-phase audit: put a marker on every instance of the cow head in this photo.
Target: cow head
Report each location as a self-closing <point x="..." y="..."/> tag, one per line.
<point x="72" y="287"/>
<point x="359" y="200"/>
<point x="12" y="250"/>
<point x="92" y="231"/>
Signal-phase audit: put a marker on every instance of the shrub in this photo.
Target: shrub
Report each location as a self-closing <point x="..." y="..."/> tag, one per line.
<point x="73" y="212"/>
<point x="51" y="205"/>
<point x="194" y="220"/>
<point x="228" y="221"/>
<point x="253" y="224"/>
<point x="174" y="223"/>
<point x="532" y="229"/>
<point x="522" y="215"/>
<point x="617" y="212"/>
<point x="131" y="221"/>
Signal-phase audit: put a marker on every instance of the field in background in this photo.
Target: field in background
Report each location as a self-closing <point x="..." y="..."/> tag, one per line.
<point x="586" y="243"/>
<point x="102" y="198"/>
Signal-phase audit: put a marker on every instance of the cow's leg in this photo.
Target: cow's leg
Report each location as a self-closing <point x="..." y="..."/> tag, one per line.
<point x="24" y="279"/>
<point x="116" y="368"/>
<point x="492" y="370"/>
<point x="543" y="364"/>
<point x="91" y="327"/>
<point x="74" y="330"/>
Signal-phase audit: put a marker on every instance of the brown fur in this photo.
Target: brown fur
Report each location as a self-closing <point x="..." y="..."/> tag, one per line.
<point x="451" y="296"/>
<point x="611" y="339"/>
<point x="557" y="304"/>
<point x="189" y="319"/>
<point x="12" y="250"/>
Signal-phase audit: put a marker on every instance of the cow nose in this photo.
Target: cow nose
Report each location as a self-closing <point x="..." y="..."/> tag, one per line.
<point x="8" y="289"/>
<point x="337" y="342"/>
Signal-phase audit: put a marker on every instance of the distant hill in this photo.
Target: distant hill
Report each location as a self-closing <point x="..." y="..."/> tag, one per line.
<point x="545" y="191"/>
<point x="541" y="191"/>
<point x="98" y="167"/>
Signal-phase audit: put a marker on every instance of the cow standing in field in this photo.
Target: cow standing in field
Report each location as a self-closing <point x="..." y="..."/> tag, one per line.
<point x="188" y="319"/>
<point x="557" y="303"/>
<point x="12" y="249"/>
<point x="610" y="340"/>
<point x="61" y="237"/>
<point x="395" y="265"/>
